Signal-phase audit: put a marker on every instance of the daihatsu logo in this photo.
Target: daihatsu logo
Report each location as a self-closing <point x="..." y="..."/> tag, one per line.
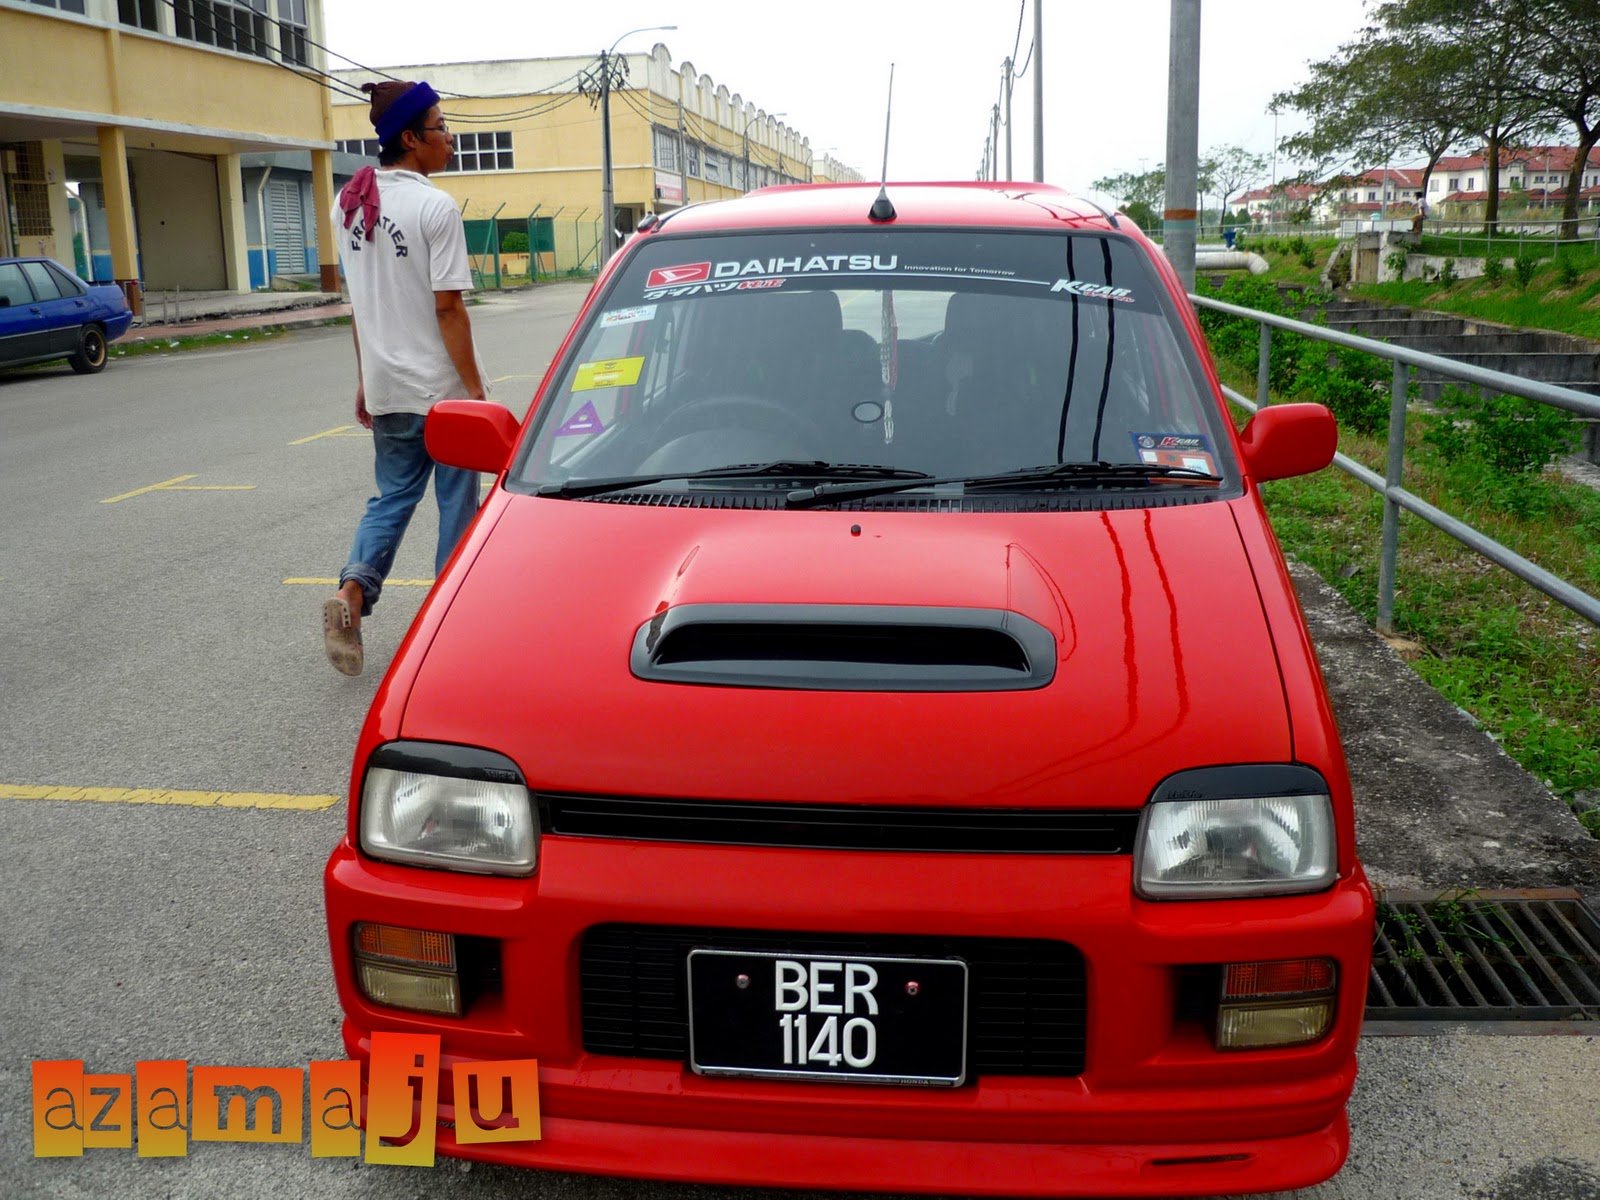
<point x="672" y="276"/>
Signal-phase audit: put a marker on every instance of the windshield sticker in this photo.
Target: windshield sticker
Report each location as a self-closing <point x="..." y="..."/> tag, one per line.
<point x="735" y="275"/>
<point x="1094" y="291"/>
<point x="674" y="276"/>
<point x="608" y="373"/>
<point x="1190" y="450"/>
<point x="585" y="420"/>
<point x="628" y="316"/>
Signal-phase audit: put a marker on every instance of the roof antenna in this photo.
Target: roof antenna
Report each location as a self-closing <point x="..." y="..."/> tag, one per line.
<point x="881" y="209"/>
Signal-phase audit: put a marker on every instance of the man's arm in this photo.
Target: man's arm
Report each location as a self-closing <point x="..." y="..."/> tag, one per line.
<point x="362" y="416"/>
<point x="454" y="327"/>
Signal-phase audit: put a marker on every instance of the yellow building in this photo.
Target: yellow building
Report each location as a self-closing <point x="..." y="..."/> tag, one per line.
<point x="152" y="110"/>
<point x="529" y="145"/>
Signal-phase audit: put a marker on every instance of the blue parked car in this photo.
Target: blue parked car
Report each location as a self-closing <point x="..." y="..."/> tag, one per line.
<point x="47" y="312"/>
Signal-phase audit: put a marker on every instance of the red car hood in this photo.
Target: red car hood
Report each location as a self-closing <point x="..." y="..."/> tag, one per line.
<point x="1165" y="660"/>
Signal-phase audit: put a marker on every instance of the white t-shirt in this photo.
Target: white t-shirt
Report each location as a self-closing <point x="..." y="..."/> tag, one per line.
<point x="419" y="248"/>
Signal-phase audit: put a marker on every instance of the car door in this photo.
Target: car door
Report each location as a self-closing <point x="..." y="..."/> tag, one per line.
<point x="21" y="325"/>
<point x="59" y="319"/>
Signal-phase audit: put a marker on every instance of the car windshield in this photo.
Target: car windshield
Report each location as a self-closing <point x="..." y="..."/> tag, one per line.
<point x="952" y="353"/>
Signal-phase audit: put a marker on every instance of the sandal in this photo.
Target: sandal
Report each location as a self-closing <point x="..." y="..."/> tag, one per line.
<point x="340" y="638"/>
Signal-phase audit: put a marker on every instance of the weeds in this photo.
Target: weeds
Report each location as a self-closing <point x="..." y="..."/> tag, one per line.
<point x="1519" y="662"/>
<point x="1507" y="434"/>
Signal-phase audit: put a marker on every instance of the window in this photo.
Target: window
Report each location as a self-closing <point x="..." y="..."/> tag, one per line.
<point x="227" y="24"/>
<point x="44" y="284"/>
<point x="488" y="151"/>
<point x="292" y="31"/>
<point x="1042" y="369"/>
<point x="713" y="167"/>
<point x="13" y="287"/>
<point x="141" y="14"/>
<point x="1472" y="185"/>
<point x="1455" y="185"/>
<point x="666" y="150"/>
<point x="71" y="6"/>
<point x="1371" y="197"/>
<point x="692" y="153"/>
<point x="1433" y="185"/>
<point x="30" y="193"/>
<point x="366" y="147"/>
<point x="66" y="283"/>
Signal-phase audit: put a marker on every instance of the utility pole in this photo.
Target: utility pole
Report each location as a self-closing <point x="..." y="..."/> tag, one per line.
<point x="994" y="142"/>
<point x="683" y="152"/>
<point x="1009" y="173"/>
<point x="1038" y="91"/>
<point x="1183" y="139"/>
<point x="608" y="211"/>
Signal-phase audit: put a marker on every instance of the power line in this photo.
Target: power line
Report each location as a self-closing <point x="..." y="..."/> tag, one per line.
<point x="1025" y="62"/>
<point x="1022" y="10"/>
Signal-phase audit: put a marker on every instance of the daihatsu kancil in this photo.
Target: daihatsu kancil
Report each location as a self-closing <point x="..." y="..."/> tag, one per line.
<point x="869" y="738"/>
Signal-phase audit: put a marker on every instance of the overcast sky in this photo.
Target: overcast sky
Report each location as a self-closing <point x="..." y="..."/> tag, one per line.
<point x="826" y="64"/>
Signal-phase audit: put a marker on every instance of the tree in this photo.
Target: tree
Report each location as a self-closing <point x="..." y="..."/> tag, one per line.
<point x="1564" y="79"/>
<point x="1381" y="96"/>
<point x="1493" y="40"/>
<point x="1232" y="169"/>
<point x="1148" y="188"/>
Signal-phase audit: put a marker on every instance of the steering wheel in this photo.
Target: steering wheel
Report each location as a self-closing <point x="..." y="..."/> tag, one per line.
<point x="751" y="413"/>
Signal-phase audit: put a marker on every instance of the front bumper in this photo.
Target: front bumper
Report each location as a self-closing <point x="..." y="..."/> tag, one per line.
<point x="1156" y="1110"/>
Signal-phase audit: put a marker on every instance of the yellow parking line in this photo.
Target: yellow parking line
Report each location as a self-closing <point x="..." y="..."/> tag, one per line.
<point x="336" y="431"/>
<point x="153" y="487"/>
<point x="177" y="484"/>
<point x="386" y="582"/>
<point x="9" y="791"/>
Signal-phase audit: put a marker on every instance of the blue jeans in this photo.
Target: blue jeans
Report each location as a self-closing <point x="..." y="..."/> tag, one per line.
<point x="401" y="465"/>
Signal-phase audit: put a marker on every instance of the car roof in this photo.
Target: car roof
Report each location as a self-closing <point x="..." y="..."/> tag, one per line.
<point x="972" y="203"/>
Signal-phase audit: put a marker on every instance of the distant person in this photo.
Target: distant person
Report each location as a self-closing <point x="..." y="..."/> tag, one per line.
<point x="1422" y="215"/>
<point x="404" y="254"/>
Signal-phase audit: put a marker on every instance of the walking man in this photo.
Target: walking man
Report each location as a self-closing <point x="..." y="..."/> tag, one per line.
<point x="404" y="254"/>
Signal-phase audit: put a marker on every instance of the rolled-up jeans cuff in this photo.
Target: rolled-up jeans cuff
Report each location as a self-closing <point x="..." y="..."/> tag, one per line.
<point x="371" y="584"/>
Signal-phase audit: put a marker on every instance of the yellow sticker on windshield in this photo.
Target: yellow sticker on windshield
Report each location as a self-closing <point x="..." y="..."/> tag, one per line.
<point x="609" y="373"/>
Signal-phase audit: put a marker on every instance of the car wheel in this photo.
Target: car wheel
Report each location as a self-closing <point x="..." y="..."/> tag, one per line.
<point x="91" y="353"/>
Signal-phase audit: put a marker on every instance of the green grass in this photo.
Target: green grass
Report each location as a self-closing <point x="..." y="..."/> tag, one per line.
<point x="1284" y="261"/>
<point x="1525" y="666"/>
<point x="175" y="344"/>
<point x="1546" y="303"/>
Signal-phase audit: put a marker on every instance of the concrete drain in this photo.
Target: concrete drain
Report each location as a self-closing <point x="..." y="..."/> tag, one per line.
<point x="1490" y="957"/>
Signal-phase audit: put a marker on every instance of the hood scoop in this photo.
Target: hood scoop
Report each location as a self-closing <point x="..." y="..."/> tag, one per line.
<point x="845" y="647"/>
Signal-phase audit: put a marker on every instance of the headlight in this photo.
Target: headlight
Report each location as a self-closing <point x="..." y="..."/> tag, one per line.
<point x="1236" y="845"/>
<point x="448" y="806"/>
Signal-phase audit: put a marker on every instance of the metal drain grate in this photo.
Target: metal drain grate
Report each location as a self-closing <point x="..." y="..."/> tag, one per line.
<point x="1484" y="956"/>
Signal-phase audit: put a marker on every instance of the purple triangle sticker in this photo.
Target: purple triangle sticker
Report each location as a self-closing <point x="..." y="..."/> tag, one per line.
<point x="585" y="420"/>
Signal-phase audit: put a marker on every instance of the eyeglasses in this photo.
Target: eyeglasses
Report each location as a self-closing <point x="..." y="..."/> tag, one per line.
<point x="439" y="128"/>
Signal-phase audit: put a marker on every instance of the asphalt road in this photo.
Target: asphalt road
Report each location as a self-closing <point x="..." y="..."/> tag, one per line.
<point x="153" y="639"/>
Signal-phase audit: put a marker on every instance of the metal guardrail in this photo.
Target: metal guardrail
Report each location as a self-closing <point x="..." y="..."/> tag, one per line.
<point x="1395" y="496"/>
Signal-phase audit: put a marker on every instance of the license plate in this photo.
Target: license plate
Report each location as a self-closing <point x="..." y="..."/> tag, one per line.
<point x="838" y="1018"/>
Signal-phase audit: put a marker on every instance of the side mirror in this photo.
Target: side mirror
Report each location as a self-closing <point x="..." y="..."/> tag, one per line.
<point x="5" y="301"/>
<point x="1288" y="439"/>
<point x="475" y="435"/>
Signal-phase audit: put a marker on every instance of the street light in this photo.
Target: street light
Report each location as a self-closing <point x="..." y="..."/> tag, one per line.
<point x="746" y="137"/>
<point x="608" y="211"/>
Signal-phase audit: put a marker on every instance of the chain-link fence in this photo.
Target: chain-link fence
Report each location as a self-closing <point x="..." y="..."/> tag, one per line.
<point x="529" y="249"/>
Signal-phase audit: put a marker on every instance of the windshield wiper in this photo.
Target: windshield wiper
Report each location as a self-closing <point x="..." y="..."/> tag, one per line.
<point x="1073" y="474"/>
<point x="783" y="469"/>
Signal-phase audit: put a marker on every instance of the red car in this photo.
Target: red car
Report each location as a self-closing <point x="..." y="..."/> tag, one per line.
<point x="869" y="738"/>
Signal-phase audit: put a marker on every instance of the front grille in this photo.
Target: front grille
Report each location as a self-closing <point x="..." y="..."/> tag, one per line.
<point x="1025" y="1009"/>
<point x="840" y="826"/>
